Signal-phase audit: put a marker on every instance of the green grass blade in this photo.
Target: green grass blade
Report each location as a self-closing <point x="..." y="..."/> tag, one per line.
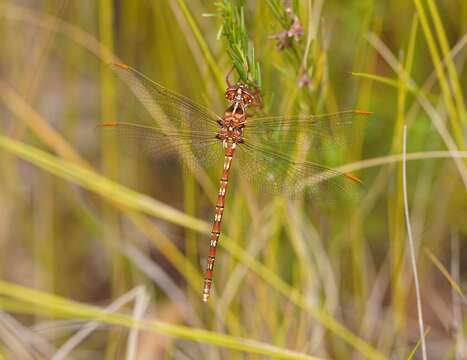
<point x="94" y="182"/>
<point x="452" y="72"/>
<point x="62" y="307"/>
<point x="443" y="82"/>
<point x="295" y="297"/>
<point x="213" y="65"/>
<point x="132" y="199"/>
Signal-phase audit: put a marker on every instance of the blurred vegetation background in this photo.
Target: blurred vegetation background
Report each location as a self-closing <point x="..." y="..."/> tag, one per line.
<point x="87" y="232"/>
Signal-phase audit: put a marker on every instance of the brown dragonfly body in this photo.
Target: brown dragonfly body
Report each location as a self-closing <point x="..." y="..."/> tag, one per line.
<point x="231" y="134"/>
<point x="195" y="133"/>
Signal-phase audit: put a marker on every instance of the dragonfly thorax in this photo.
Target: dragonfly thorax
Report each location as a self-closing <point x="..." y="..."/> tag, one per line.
<point x="232" y="134"/>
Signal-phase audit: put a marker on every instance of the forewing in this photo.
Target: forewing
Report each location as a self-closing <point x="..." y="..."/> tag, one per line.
<point x="160" y="123"/>
<point x="169" y="110"/>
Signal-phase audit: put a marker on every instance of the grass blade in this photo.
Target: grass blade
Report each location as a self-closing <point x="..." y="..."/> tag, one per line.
<point x="61" y="307"/>
<point x="412" y="247"/>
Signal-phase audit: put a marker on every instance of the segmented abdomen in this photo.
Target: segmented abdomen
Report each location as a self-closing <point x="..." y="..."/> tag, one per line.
<point x="216" y="227"/>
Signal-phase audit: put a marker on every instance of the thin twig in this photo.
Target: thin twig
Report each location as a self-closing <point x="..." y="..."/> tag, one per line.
<point x="411" y="245"/>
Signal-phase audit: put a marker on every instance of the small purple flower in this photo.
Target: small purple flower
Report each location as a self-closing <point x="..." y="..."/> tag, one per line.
<point x="304" y="80"/>
<point x="295" y="31"/>
<point x="283" y="40"/>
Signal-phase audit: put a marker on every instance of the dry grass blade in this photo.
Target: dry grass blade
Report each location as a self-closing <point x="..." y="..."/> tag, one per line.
<point x="412" y="247"/>
<point x="137" y="295"/>
<point x="419" y="342"/>
<point x="62" y="307"/>
<point x="131" y="199"/>
<point x="105" y="187"/>
<point x="22" y="342"/>
<point x="455" y="286"/>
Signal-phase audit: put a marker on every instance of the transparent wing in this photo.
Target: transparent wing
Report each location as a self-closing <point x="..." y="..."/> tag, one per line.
<point x="196" y="148"/>
<point x="168" y="109"/>
<point x="162" y="124"/>
<point x="276" y="173"/>
<point x="325" y="132"/>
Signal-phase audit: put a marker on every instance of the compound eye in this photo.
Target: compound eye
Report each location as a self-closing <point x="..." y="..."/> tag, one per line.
<point x="230" y="94"/>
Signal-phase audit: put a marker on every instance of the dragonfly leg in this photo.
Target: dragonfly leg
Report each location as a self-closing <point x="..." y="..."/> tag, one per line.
<point x="227" y="78"/>
<point x="258" y="101"/>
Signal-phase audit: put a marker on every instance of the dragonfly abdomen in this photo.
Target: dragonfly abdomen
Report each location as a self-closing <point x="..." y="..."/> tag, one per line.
<point x="216" y="227"/>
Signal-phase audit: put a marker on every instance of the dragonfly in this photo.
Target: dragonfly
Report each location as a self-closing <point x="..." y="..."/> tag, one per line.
<point x="200" y="137"/>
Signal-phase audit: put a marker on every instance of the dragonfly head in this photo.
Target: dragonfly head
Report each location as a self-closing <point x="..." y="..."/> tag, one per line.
<point x="242" y="94"/>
